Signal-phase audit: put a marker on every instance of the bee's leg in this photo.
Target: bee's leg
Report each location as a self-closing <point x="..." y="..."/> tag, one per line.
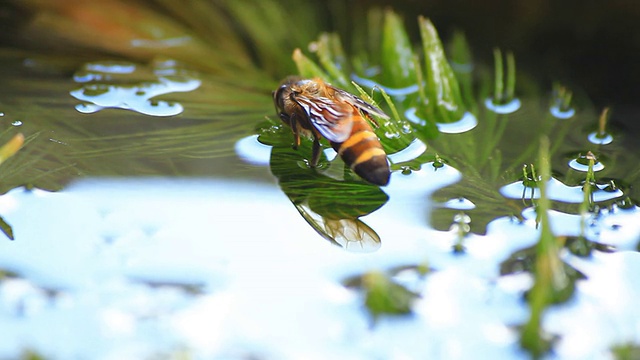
<point x="296" y="133"/>
<point x="315" y="153"/>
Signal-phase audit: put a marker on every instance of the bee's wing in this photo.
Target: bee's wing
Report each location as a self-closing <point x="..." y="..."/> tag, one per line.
<point x="358" y="102"/>
<point x="331" y="118"/>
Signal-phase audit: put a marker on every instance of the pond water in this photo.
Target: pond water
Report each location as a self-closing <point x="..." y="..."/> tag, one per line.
<point x="158" y="210"/>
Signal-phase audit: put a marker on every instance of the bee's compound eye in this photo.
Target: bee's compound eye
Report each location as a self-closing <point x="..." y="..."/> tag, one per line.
<point x="278" y="96"/>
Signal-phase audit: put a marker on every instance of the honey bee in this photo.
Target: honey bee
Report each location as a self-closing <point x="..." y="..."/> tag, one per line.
<point x="314" y="107"/>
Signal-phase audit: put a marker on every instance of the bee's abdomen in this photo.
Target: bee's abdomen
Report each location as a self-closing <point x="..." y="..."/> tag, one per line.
<point x="363" y="152"/>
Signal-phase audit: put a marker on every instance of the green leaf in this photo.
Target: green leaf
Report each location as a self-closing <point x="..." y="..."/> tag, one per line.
<point x="398" y="68"/>
<point x="307" y="68"/>
<point x="442" y="88"/>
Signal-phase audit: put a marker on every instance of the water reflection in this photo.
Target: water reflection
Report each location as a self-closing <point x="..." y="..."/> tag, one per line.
<point x="558" y="191"/>
<point x="121" y="259"/>
<point x="109" y="85"/>
<point x="331" y="205"/>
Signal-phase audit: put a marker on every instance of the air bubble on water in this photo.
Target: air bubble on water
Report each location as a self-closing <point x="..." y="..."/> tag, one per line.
<point x="462" y="218"/>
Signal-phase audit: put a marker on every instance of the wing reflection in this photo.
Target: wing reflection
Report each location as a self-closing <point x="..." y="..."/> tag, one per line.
<point x="331" y="205"/>
<point x="351" y="234"/>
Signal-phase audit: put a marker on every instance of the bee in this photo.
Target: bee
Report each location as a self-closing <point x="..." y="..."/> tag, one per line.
<point x="314" y="108"/>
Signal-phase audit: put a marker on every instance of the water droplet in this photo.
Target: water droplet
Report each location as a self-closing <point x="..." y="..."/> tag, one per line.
<point x="58" y="141"/>
<point x="1" y="114"/>
<point x="391" y="135"/>
<point x="600" y="139"/>
<point x="16" y="123"/>
<point x="508" y="108"/>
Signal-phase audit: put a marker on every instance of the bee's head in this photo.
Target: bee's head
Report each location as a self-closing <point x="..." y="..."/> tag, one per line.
<point x="282" y="95"/>
<point x="279" y="97"/>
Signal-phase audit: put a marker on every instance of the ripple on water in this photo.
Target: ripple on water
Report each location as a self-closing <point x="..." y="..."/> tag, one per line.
<point x="395" y="92"/>
<point x="508" y="108"/>
<point x="415" y="149"/>
<point x="600" y="139"/>
<point x="253" y="152"/>
<point x="466" y="123"/>
<point x="575" y="164"/>
<point x="558" y="191"/>
<point x="562" y="114"/>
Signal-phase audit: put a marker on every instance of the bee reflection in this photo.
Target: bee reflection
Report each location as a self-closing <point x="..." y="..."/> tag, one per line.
<point x="331" y="207"/>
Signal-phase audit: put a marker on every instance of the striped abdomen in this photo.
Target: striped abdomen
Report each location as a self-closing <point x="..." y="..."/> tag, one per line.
<point x="363" y="152"/>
